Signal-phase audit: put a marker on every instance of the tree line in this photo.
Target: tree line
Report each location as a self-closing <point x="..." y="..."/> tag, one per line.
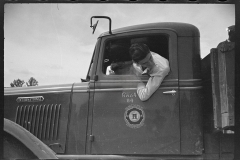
<point x="20" y="83"/>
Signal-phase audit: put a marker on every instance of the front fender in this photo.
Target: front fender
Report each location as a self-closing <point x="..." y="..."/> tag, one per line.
<point x="38" y="148"/>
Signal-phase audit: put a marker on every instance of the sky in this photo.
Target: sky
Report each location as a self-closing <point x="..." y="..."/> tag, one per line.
<point x="54" y="42"/>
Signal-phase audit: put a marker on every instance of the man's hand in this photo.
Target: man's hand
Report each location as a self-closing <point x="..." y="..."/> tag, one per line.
<point x="146" y="72"/>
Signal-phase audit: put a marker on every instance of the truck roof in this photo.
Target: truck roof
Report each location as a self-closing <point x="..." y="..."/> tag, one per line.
<point x="181" y="29"/>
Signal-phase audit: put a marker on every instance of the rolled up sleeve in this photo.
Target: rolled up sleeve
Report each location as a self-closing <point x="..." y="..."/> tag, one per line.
<point x="154" y="82"/>
<point x="158" y="73"/>
<point x="145" y="92"/>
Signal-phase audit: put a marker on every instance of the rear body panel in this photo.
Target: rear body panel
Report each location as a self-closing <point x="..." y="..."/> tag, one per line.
<point x="190" y="86"/>
<point x="218" y="100"/>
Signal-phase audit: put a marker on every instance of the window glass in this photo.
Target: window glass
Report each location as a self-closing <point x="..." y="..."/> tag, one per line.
<point x="117" y="60"/>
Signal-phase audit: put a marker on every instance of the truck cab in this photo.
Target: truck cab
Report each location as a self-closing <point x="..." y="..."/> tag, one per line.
<point x="103" y="115"/>
<point x="159" y="130"/>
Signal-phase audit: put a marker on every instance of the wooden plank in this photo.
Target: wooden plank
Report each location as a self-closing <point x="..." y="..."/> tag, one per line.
<point x="215" y="88"/>
<point x="226" y="83"/>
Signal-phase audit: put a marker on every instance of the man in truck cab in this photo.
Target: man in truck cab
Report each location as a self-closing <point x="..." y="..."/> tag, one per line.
<point x="121" y="61"/>
<point x="148" y="63"/>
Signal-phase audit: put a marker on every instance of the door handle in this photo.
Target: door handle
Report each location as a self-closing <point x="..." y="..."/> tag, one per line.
<point x="172" y="92"/>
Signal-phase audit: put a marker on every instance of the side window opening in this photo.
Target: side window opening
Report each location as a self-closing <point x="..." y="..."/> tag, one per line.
<point x="117" y="52"/>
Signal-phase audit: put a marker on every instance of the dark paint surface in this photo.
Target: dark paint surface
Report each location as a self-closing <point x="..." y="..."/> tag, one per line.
<point x="160" y="133"/>
<point x="37" y="147"/>
<point x="76" y="140"/>
<point x="40" y="125"/>
<point x="191" y="122"/>
<point x="182" y="29"/>
<point x="43" y="111"/>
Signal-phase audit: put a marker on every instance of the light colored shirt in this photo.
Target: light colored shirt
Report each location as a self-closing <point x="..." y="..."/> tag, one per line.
<point x="157" y="74"/>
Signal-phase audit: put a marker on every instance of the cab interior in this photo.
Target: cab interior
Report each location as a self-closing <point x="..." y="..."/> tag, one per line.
<point x="117" y="50"/>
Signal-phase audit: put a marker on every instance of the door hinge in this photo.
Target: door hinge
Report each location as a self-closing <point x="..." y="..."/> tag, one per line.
<point x="91" y="138"/>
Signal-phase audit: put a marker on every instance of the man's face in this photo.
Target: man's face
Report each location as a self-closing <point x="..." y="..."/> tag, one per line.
<point x="147" y="62"/>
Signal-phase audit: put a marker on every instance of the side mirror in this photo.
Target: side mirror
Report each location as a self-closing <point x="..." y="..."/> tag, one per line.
<point x="94" y="27"/>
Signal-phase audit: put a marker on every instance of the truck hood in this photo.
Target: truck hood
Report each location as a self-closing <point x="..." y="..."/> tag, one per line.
<point x="76" y="87"/>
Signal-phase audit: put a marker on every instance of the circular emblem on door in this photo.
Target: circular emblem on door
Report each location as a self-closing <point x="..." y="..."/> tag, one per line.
<point x="134" y="116"/>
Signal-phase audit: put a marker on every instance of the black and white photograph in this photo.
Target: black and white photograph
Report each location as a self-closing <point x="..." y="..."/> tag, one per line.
<point x="119" y="81"/>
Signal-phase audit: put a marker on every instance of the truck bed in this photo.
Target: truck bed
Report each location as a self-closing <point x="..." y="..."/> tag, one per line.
<point x="218" y="83"/>
<point x="218" y="103"/>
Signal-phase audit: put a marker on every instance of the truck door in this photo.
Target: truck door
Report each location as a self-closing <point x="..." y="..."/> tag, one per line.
<point x="121" y="122"/>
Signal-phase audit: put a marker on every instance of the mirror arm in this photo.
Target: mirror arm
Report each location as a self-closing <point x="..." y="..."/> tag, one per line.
<point x="110" y="22"/>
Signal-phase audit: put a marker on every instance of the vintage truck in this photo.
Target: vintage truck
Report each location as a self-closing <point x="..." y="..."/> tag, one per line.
<point x="190" y="116"/>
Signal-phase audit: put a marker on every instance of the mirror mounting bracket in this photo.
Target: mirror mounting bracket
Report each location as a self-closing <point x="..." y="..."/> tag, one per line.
<point x="95" y="25"/>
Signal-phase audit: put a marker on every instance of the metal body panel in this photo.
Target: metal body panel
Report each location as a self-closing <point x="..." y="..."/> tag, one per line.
<point x="60" y="88"/>
<point x="191" y="121"/>
<point x="132" y="157"/>
<point x="212" y="144"/>
<point x="30" y="141"/>
<point x="160" y="131"/>
<point x="181" y="29"/>
<point x="82" y="87"/>
<point x="46" y="119"/>
<point x="227" y="146"/>
<point x="189" y="66"/>
<point x="207" y="101"/>
<point x="189" y="61"/>
<point x="91" y="85"/>
<point x="218" y="146"/>
<point x="76" y="140"/>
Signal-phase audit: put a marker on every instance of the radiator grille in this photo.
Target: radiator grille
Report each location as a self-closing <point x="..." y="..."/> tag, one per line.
<point x="40" y="120"/>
